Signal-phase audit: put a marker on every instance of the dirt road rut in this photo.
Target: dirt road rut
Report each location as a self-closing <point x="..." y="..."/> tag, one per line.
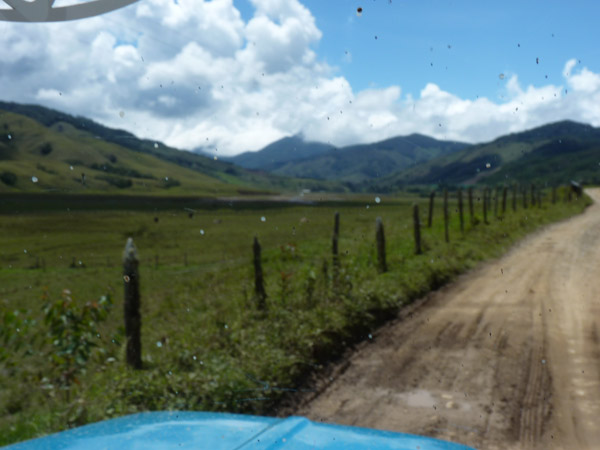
<point x="508" y="356"/>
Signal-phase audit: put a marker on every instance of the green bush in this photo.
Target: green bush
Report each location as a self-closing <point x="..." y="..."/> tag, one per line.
<point x="123" y="171"/>
<point x="121" y="183"/>
<point x="46" y="149"/>
<point x="14" y="330"/>
<point x="8" y="178"/>
<point x="73" y="333"/>
<point x="169" y="182"/>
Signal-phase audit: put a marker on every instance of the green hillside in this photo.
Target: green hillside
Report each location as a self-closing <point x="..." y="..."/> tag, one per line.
<point x="553" y="154"/>
<point x="353" y="164"/>
<point x="44" y="150"/>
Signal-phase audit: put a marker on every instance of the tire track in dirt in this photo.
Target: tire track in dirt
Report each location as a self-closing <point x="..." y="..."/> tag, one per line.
<point x="506" y="357"/>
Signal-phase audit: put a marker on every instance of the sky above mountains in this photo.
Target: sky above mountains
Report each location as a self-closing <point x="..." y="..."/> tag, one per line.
<point x="235" y="75"/>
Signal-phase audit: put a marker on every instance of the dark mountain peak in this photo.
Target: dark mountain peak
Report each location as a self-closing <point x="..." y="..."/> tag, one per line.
<point x="553" y="130"/>
<point x="421" y="140"/>
<point x="274" y="155"/>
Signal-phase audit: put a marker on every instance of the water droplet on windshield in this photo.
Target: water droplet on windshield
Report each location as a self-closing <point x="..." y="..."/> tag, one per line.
<point x="121" y="114"/>
<point x="158" y="344"/>
<point x="359" y="11"/>
<point x="34" y="179"/>
<point x="155" y="145"/>
<point x="202" y="232"/>
<point x="488" y="165"/>
<point x="501" y="76"/>
<point x="263" y="219"/>
<point x="71" y="167"/>
<point x="377" y="200"/>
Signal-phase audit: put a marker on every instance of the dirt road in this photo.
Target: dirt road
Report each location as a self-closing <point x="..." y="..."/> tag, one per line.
<point x="508" y="356"/>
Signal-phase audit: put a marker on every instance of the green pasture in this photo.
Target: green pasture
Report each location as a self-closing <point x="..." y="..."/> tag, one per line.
<point x="205" y="345"/>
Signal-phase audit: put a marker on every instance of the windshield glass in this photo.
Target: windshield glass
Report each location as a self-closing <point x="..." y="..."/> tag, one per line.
<point x="375" y="213"/>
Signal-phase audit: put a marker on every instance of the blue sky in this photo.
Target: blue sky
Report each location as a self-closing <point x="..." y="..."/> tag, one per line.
<point x="485" y="38"/>
<point x="235" y="75"/>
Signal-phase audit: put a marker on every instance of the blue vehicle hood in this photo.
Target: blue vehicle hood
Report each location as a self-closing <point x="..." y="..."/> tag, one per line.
<point x="216" y="431"/>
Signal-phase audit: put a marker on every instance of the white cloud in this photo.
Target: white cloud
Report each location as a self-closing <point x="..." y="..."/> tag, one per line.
<point x="569" y="67"/>
<point x="585" y="81"/>
<point x="192" y="73"/>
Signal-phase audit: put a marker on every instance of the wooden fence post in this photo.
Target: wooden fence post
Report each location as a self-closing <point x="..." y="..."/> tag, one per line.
<point x="430" y="218"/>
<point x="514" y="197"/>
<point x="471" y="214"/>
<point x="497" y="194"/>
<point x="334" y="246"/>
<point x="460" y="210"/>
<point x="133" y="318"/>
<point x="417" y="226"/>
<point x="259" y="284"/>
<point x="504" y="193"/>
<point x="539" y="198"/>
<point x="485" y="206"/>
<point x="524" y="198"/>
<point x="380" y="238"/>
<point x="532" y="195"/>
<point x="446" y="235"/>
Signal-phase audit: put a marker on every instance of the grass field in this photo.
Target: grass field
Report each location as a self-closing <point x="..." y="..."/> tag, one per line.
<point x="205" y="345"/>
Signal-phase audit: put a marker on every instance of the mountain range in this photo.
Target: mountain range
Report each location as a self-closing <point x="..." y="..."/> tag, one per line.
<point x="551" y="154"/>
<point x="353" y="164"/>
<point x="42" y="149"/>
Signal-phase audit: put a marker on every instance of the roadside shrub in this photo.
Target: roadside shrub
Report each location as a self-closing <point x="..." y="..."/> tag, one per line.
<point x="14" y="335"/>
<point x="73" y="333"/>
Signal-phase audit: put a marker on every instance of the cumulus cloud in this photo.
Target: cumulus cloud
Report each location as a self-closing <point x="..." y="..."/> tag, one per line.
<point x="193" y="73"/>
